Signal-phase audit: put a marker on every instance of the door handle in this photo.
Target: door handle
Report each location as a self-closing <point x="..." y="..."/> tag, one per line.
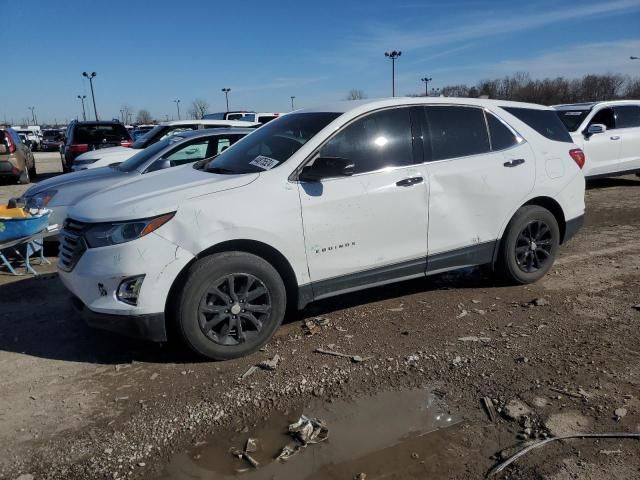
<point x="616" y="137"/>
<point x="407" y="182"/>
<point x="514" y="163"/>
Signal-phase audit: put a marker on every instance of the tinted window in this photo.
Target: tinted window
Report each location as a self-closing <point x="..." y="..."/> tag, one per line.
<point x="379" y="140"/>
<point x="627" y="116"/>
<point x="572" y="119"/>
<point x="214" y="116"/>
<point x="501" y="136"/>
<point x="271" y="145"/>
<point x="545" y="122"/>
<point x="604" y="117"/>
<point x="93" y="133"/>
<point x="456" y="132"/>
<point x="266" y="118"/>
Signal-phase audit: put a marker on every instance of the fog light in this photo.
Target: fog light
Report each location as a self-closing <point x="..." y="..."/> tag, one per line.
<point x="129" y="289"/>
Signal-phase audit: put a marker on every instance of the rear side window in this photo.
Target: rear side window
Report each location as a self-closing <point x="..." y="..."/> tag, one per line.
<point x="501" y="137"/>
<point x="545" y="122"/>
<point x="627" y="116"/>
<point x="97" y="133"/>
<point x="456" y="132"/>
<point x="381" y="139"/>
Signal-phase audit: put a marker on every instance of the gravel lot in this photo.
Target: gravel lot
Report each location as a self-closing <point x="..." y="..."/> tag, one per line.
<point x="79" y="404"/>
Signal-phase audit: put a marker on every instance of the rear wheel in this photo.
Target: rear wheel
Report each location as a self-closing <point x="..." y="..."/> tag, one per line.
<point x="231" y="305"/>
<point x="32" y="170"/>
<point x="529" y="245"/>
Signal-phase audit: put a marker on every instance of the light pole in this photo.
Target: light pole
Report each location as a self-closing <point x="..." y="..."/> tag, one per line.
<point x="435" y="92"/>
<point x="33" y="115"/>
<point x="634" y="58"/>
<point x="226" y="96"/>
<point x="292" y="98"/>
<point x="122" y="116"/>
<point x="177" y="102"/>
<point x="426" y="81"/>
<point x="84" y="115"/>
<point x="90" y="76"/>
<point x="393" y="55"/>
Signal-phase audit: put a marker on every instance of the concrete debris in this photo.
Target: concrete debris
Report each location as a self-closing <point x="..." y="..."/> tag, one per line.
<point x="475" y="301"/>
<point x="360" y="476"/>
<point x="236" y="452"/>
<point x="251" y="446"/>
<point x="479" y="311"/>
<point x="311" y="326"/>
<point x="620" y="413"/>
<point x="397" y="309"/>
<point x="153" y="376"/>
<point x="610" y="452"/>
<point x="474" y="339"/>
<point x="539" y="302"/>
<point x="270" y="364"/>
<point x="457" y="361"/>
<point x="516" y="410"/>
<point x="462" y="314"/>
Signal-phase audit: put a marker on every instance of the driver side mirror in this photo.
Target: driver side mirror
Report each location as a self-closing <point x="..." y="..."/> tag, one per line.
<point x="326" y="167"/>
<point x="159" y="164"/>
<point x="595" y="128"/>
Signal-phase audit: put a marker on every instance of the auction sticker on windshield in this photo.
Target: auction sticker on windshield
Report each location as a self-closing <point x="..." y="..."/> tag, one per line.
<point x="266" y="163"/>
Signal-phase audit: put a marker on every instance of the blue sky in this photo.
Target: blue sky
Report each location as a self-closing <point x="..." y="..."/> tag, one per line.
<point x="148" y="53"/>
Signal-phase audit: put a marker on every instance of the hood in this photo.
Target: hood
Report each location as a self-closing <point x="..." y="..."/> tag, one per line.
<point x="154" y="194"/>
<point x="115" y="152"/>
<point x="72" y="186"/>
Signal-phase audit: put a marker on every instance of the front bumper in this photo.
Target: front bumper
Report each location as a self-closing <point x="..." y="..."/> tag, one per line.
<point x="147" y="327"/>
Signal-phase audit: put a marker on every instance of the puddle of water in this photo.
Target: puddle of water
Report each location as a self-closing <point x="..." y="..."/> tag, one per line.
<point x="375" y="434"/>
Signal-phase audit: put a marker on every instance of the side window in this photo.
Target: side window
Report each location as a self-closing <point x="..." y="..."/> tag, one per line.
<point x="604" y="116"/>
<point x="457" y="132"/>
<point x="189" y="153"/>
<point x="501" y="137"/>
<point x="223" y="143"/>
<point x="379" y="140"/>
<point x="627" y="116"/>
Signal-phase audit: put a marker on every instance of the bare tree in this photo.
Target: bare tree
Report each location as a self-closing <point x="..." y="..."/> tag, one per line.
<point x="356" y="94"/>
<point x="198" y="108"/>
<point x="143" y="116"/>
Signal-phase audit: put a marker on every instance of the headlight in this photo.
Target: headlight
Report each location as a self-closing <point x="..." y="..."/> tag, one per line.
<point x="104" y="234"/>
<point x="40" y="200"/>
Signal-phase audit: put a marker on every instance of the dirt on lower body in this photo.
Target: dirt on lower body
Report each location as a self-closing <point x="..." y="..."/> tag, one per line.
<point x="81" y="404"/>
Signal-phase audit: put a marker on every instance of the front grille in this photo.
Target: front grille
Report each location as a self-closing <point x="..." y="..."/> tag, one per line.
<point x="72" y="244"/>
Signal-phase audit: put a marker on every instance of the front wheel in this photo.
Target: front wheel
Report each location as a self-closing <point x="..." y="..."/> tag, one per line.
<point x="231" y="305"/>
<point x="529" y="245"/>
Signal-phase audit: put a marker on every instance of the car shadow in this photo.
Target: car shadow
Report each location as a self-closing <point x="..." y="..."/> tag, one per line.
<point x="37" y="319"/>
<point x="610" y="182"/>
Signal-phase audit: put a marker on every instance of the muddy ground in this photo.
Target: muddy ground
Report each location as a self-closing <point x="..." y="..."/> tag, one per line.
<point x="80" y="404"/>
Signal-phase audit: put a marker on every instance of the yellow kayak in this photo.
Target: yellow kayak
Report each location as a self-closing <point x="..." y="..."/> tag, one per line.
<point x="6" y="212"/>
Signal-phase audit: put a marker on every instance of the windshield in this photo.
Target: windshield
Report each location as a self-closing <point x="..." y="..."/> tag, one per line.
<point x="271" y="145"/>
<point x="572" y="119"/>
<point x="141" y="158"/>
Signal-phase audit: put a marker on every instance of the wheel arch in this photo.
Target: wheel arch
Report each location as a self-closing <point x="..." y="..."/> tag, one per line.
<point x="254" y="247"/>
<point x="554" y="207"/>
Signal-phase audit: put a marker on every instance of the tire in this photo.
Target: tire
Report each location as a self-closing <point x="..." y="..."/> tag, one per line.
<point x="24" y="176"/>
<point x="214" y="333"/>
<point x="32" y="170"/>
<point x="529" y="246"/>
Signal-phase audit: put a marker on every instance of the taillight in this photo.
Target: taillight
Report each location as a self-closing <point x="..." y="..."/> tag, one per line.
<point x="126" y="143"/>
<point x="10" y="144"/>
<point x="79" y="147"/>
<point x="578" y="157"/>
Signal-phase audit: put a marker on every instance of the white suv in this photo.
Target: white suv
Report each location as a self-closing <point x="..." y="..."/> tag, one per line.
<point x="609" y="134"/>
<point x="321" y="202"/>
<point x="108" y="156"/>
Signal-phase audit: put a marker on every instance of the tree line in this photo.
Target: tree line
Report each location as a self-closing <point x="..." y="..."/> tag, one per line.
<point x="550" y="91"/>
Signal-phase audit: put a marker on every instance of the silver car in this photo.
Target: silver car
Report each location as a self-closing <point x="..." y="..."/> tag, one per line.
<point x="59" y="193"/>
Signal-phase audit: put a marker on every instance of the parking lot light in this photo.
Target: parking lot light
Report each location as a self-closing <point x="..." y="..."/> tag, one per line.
<point x="33" y="115"/>
<point x="393" y="55"/>
<point x="292" y="98"/>
<point x="426" y="81"/>
<point x="91" y="76"/>
<point x="177" y="102"/>
<point x="226" y="95"/>
<point x="84" y="115"/>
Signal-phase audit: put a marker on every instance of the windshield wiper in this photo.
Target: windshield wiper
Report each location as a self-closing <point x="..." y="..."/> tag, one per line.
<point x="221" y="170"/>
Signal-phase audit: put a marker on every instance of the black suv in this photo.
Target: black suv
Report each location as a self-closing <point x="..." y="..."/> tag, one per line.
<point x="85" y="136"/>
